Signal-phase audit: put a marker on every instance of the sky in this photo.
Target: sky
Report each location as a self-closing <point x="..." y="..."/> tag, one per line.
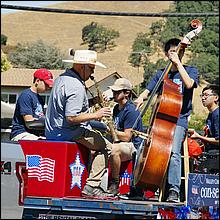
<point x="26" y="3"/>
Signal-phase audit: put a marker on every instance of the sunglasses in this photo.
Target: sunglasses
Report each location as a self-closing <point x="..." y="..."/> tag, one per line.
<point x="91" y="67"/>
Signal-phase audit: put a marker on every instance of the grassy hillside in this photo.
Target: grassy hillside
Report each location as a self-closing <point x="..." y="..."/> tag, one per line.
<point x="65" y="30"/>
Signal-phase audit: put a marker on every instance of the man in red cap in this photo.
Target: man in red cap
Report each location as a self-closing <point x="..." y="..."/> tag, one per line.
<point x="29" y="108"/>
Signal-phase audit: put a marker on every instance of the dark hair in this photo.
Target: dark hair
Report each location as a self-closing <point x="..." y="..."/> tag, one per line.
<point x="170" y="43"/>
<point x="214" y="88"/>
<point x="126" y="90"/>
<point x="34" y="80"/>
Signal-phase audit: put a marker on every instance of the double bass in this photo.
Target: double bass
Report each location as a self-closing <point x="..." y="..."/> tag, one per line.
<point x="153" y="157"/>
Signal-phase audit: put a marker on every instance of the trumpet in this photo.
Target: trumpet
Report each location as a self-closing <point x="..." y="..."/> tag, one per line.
<point x="109" y="120"/>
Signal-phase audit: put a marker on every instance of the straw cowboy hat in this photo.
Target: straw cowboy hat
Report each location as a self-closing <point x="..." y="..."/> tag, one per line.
<point x="85" y="57"/>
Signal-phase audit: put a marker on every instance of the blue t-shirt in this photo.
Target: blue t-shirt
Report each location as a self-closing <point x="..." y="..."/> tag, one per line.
<point x="212" y="123"/>
<point x="28" y="103"/>
<point x="186" y="93"/>
<point x="125" y="118"/>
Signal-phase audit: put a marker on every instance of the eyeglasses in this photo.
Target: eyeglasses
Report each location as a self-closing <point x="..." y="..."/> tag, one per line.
<point x="206" y="95"/>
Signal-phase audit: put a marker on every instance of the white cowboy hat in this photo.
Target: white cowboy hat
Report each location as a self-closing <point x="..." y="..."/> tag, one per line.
<point x="85" y="57"/>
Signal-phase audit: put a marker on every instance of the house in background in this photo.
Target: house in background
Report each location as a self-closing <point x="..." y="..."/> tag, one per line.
<point x="15" y="80"/>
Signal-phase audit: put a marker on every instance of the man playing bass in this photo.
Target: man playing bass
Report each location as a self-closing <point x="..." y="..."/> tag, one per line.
<point x="187" y="79"/>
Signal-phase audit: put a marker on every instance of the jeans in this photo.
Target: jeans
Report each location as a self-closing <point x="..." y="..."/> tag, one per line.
<point x="174" y="168"/>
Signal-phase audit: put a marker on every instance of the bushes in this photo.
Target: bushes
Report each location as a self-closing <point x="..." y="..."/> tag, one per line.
<point x="197" y="122"/>
<point x="3" y="39"/>
<point x="37" y="55"/>
<point x="5" y="65"/>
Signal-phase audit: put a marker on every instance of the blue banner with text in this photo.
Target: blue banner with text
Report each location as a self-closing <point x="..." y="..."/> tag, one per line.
<point x="203" y="190"/>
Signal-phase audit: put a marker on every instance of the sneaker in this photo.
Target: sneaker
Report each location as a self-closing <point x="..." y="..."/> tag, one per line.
<point x="173" y="196"/>
<point x="124" y="196"/>
<point x="96" y="193"/>
<point x="137" y="193"/>
<point x="113" y="188"/>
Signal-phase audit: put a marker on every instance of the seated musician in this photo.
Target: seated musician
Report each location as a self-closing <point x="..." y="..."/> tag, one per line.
<point x="210" y="100"/>
<point x="124" y="115"/>
<point x="28" y="119"/>
<point x="68" y="118"/>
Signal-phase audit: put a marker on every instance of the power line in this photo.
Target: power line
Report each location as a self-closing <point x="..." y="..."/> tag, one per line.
<point x="68" y="11"/>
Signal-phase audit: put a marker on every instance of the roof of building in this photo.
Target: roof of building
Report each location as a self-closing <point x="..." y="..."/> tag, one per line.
<point x="24" y="77"/>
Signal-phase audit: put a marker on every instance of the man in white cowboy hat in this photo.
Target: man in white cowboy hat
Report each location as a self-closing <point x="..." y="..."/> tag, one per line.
<point x="67" y="117"/>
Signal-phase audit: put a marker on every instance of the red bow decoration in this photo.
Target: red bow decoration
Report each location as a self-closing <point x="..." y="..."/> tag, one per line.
<point x="205" y="214"/>
<point x="166" y="214"/>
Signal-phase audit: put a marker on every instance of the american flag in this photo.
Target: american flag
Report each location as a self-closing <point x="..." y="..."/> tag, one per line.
<point x="42" y="168"/>
<point x="195" y="189"/>
<point x="124" y="179"/>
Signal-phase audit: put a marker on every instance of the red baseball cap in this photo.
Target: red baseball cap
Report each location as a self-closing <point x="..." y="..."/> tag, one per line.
<point x="44" y="75"/>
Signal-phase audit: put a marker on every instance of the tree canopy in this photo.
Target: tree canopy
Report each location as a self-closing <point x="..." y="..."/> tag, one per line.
<point x="36" y="55"/>
<point x="204" y="50"/>
<point x="4" y="39"/>
<point x="98" y="37"/>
